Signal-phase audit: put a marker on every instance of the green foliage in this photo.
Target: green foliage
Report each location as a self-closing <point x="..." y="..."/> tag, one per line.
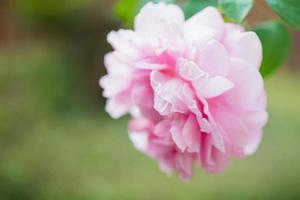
<point x="276" y="43"/>
<point x="191" y="7"/>
<point x="127" y="9"/>
<point x="49" y="11"/>
<point x="235" y="10"/>
<point x="289" y="10"/>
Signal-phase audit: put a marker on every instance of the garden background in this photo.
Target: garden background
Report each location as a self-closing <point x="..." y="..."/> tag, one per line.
<point x="56" y="141"/>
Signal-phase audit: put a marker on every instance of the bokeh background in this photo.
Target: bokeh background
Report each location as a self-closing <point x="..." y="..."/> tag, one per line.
<point x="56" y="141"/>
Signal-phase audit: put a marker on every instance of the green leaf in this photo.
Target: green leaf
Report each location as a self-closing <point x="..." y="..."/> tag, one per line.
<point x="288" y="10"/>
<point x="191" y="7"/>
<point x="126" y="11"/>
<point x="276" y="42"/>
<point x="235" y="10"/>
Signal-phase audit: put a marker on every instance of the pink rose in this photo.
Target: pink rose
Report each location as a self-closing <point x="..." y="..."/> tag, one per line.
<point x="192" y="87"/>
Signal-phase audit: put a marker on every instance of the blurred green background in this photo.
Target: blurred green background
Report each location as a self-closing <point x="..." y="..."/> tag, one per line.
<point x="56" y="142"/>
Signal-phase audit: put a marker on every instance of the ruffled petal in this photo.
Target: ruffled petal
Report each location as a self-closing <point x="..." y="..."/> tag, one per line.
<point x="204" y="85"/>
<point x="118" y="78"/>
<point x="205" y="25"/>
<point x="126" y="41"/>
<point x="177" y="134"/>
<point x="153" y="17"/>
<point x="214" y="59"/>
<point x="168" y="93"/>
<point x="243" y="45"/>
<point x="211" y="159"/>
<point x="119" y="105"/>
<point x="212" y="87"/>
<point x="248" y="85"/>
<point x="191" y="134"/>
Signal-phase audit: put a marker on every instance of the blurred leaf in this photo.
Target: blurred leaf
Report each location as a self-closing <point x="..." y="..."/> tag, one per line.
<point x="289" y="10"/>
<point x="276" y="42"/>
<point x="191" y="7"/>
<point x="48" y="11"/>
<point x="126" y="10"/>
<point x="235" y="10"/>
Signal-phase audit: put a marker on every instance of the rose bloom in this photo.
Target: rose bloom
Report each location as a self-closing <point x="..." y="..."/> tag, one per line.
<point x="192" y="87"/>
